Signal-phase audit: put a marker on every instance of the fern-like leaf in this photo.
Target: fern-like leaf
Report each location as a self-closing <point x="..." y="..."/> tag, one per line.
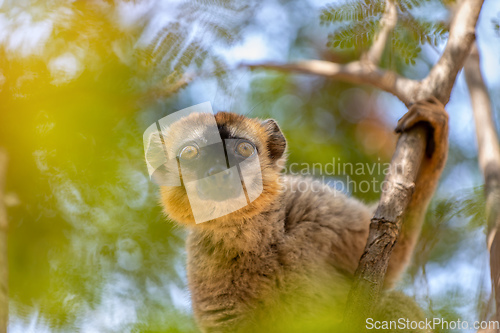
<point x="358" y="34"/>
<point x="423" y="31"/>
<point x="351" y="11"/>
<point x="405" y="47"/>
<point x="410" y="4"/>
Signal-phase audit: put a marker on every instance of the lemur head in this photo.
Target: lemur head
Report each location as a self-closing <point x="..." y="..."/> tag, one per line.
<point x="228" y="164"/>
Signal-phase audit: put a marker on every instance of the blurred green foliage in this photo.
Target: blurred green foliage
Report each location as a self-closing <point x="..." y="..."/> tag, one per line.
<point x="90" y="249"/>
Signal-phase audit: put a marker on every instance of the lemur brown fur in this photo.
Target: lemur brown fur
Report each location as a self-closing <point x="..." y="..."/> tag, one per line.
<point x="292" y="252"/>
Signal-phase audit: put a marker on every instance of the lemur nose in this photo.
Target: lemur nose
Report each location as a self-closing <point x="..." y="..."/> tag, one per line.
<point x="218" y="169"/>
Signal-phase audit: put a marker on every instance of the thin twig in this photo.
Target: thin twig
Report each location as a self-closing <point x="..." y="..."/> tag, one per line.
<point x="460" y="40"/>
<point x="387" y="23"/>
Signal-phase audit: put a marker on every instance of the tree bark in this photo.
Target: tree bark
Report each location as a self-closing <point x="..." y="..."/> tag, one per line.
<point x="4" y="283"/>
<point x="438" y="83"/>
<point x="489" y="163"/>
<point x="385" y="225"/>
<point x="370" y="274"/>
<point x="358" y="72"/>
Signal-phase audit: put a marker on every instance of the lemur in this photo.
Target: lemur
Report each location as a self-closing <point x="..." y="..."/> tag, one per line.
<point x="289" y="253"/>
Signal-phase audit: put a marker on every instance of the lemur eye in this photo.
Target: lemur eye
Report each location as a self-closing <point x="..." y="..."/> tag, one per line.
<point x="188" y="152"/>
<point x="245" y="149"/>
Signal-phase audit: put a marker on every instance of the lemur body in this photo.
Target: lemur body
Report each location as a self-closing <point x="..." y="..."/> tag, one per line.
<point x="293" y="251"/>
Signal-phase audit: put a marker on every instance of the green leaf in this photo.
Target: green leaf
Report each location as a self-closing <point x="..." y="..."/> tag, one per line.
<point x="351" y="11"/>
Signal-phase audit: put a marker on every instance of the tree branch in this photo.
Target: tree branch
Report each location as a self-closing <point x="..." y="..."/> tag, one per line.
<point x="388" y="22"/>
<point x="355" y="72"/>
<point x="385" y="226"/>
<point x="364" y="71"/>
<point x="442" y="76"/>
<point x="438" y="82"/>
<point x="4" y="264"/>
<point x="384" y="229"/>
<point x="489" y="163"/>
<point x="372" y="266"/>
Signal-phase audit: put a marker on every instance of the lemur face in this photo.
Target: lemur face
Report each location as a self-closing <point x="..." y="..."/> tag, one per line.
<point x="215" y="167"/>
<point x="219" y="168"/>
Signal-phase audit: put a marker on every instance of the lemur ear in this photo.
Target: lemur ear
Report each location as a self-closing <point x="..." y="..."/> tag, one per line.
<point x="276" y="142"/>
